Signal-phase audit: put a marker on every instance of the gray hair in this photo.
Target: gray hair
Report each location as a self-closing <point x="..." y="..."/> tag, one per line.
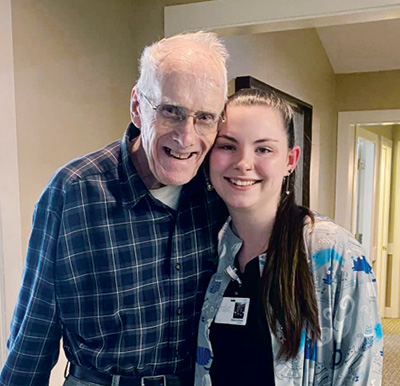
<point x="153" y="57"/>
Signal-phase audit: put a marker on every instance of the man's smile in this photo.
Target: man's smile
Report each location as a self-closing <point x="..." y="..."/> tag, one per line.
<point x="176" y="155"/>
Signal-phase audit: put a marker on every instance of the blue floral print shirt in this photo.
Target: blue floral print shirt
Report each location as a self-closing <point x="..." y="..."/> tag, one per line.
<point x="350" y="351"/>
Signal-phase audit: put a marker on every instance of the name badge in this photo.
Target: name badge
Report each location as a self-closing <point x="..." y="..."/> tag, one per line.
<point x="233" y="311"/>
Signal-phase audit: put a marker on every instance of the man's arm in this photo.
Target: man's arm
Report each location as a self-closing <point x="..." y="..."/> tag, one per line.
<point x="35" y="330"/>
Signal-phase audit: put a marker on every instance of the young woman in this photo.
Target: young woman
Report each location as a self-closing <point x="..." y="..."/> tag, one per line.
<point x="293" y="301"/>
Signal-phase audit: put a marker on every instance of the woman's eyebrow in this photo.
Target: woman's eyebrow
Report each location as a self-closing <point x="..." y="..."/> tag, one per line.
<point x="266" y="140"/>
<point x="228" y="137"/>
<point x="233" y="139"/>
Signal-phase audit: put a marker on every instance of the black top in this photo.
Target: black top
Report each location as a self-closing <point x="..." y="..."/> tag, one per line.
<point x="243" y="354"/>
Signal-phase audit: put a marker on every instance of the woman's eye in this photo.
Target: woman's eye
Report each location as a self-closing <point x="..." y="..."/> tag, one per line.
<point x="263" y="150"/>
<point x="226" y="147"/>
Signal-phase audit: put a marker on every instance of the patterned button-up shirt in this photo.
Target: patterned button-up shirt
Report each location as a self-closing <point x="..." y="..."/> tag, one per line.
<point x="350" y="351"/>
<point x="119" y="275"/>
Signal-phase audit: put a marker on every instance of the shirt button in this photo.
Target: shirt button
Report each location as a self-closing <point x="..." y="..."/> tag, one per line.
<point x="179" y="311"/>
<point x="178" y="266"/>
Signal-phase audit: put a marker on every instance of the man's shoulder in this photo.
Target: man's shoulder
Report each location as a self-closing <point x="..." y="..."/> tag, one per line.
<point x="99" y="162"/>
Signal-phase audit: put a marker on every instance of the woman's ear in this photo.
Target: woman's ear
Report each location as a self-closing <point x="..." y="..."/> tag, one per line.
<point x="135" y="109"/>
<point x="293" y="157"/>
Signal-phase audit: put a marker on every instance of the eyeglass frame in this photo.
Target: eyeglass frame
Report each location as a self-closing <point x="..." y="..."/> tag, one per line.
<point x="219" y="118"/>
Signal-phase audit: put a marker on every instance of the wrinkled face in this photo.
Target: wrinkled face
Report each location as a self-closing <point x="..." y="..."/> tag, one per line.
<point x="250" y="158"/>
<point x="175" y="151"/>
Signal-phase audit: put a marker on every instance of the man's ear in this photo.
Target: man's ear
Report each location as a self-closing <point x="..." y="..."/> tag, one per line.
<point x="135" y="109"/>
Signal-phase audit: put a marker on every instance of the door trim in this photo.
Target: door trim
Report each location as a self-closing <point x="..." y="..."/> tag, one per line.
<point x="394" y="247"/>
<point x="345" y="156"/>
<point x="347" y="122"/>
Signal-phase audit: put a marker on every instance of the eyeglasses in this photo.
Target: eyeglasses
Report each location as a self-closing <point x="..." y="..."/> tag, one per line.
<point x="204" y="122"/>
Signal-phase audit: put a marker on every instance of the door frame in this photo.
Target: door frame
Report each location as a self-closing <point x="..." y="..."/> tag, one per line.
<point x="394" y="247"/>
<point x="383" y="214"/>
<point x="361" y="132"/>
<point x="347" y="121"/>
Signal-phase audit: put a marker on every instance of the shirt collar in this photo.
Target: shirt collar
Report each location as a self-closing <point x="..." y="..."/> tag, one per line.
<point x="132" y="186"/>
<point x="228" y="243"/>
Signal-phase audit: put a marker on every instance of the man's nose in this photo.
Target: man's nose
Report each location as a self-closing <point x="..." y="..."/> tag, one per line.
<point x="186" y="134"/>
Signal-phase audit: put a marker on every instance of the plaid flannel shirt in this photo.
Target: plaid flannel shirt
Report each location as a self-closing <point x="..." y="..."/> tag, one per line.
<point x="119" y="275"/>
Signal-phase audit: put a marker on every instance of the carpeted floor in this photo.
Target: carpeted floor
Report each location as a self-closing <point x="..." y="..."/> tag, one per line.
<point x="391" y="357"/>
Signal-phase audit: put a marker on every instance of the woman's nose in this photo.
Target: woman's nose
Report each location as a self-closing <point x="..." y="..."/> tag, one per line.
<point x="244" y="162"/>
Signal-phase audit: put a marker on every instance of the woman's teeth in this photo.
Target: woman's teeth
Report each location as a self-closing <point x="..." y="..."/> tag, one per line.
<point x="241" y="182"/>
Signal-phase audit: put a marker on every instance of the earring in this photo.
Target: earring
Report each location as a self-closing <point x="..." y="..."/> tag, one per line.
<point x="287" y="190"/>
<point x="209" y="185"/>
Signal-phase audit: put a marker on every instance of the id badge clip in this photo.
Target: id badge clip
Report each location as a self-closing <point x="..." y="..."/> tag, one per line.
<point x="231" y="272"/>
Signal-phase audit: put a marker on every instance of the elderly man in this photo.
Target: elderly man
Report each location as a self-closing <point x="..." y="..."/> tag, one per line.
<point x="123" y="239"/>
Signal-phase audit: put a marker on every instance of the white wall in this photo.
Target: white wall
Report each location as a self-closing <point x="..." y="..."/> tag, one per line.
<point x="295" y="62"/>
<point x="256" y="16"/>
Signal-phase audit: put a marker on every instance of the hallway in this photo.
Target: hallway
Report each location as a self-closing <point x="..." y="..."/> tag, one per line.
<point x="391" y="359"/>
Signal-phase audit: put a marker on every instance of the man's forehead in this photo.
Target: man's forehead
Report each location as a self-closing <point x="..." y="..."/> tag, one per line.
<point x="190" y="76"/>
<point x="191" y="60"/>
<point x="191" y="88"/>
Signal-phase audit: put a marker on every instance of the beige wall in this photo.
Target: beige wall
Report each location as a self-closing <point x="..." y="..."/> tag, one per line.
<point x="149" y="20"/>
<point x="295" y="62"/>
<point x="74" y="67"/>
<point x="10" y="231"/>
<point x="386" y="131"/>
<point x="368" y="91"/>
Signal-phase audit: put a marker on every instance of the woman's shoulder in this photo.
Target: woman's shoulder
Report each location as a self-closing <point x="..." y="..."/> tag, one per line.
<point x="323" y="226"/>
<point x="324" y="235"/>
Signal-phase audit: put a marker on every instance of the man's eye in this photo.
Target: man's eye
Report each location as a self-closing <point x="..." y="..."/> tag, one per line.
<point x="205" y="117"/>
<point x="170" y="111"/>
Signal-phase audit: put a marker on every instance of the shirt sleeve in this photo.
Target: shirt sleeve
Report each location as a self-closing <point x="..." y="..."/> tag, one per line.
<point x="358" y="337"/>
<point x="352" y="338"/>
<point x="35" y="329"/>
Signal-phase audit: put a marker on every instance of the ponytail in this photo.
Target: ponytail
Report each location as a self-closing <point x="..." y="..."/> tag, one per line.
<point x="287" y="283"/>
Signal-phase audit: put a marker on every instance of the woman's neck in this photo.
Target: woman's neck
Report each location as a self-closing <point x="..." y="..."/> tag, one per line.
<point x="255" y="231"/>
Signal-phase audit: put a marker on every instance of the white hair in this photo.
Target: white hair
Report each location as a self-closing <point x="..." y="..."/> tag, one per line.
<point x="153" y="59"/>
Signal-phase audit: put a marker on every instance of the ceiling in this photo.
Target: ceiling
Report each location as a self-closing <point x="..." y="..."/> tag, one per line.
<point x="363" y="47"/>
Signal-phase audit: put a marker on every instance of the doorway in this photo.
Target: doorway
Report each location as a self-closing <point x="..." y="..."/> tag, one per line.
<point x="367" y="197"/>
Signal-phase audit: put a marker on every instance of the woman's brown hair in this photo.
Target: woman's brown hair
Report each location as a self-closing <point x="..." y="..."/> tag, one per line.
<point x="287" y="282"/>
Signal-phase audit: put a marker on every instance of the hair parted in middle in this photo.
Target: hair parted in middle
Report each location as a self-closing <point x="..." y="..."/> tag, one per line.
<point x="287" y="282"/>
